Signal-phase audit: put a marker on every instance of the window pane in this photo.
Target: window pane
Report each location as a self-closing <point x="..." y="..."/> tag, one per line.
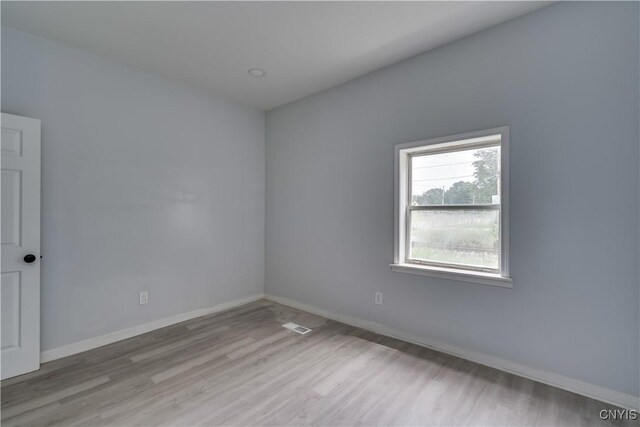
<point x="467" y="177"/>
<point x="465" y="237"/>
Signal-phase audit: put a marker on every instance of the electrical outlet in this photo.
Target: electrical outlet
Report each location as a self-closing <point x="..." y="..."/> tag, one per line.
<point x="379" y="298"/>
<point x="144" y="297"/>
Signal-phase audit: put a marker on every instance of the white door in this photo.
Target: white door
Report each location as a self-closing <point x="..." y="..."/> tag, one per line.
<point x="20" y="235"/>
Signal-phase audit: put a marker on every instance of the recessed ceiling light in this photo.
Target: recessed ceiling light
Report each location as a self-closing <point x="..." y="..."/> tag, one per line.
<point x="257" y="72"/>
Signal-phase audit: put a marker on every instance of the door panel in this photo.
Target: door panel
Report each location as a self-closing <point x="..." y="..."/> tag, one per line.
<point x="20" y="235"/>
<point x="10" y="310"/>
<point x="11" y="188"/>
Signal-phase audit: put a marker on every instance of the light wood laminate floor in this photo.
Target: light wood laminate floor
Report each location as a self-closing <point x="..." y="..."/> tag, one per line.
<point x="240" y="367"/>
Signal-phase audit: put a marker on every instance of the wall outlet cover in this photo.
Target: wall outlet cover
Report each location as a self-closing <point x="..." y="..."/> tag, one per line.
<point x="143" y="297"/>
<point x="378" y="299"/>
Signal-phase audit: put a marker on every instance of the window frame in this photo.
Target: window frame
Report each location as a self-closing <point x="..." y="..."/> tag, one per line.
<point x="404" y="154"/>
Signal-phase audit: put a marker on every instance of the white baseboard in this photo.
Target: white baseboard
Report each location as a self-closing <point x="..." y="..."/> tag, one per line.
<point x="603" y="394"/>
<point x="91" y="343"/>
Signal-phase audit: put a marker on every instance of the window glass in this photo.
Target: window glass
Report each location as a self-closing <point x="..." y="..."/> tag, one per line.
<point x="462" y="237"/>
<point x="463" y="177"/>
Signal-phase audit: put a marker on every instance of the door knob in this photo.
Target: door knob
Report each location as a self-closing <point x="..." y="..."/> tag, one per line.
<point x="29" y="258"/>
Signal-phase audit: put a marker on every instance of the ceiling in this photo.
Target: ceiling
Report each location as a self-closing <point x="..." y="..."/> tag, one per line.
<point x="304" y="47"/>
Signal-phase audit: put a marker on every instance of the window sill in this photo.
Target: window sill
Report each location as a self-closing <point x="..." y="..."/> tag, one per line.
<point x="451" y="274"/>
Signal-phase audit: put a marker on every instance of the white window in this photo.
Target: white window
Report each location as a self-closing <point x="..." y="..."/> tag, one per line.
<point x="451" y="216"/>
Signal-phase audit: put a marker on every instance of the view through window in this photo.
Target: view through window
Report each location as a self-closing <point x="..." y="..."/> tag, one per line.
<point x="453" y="212"/>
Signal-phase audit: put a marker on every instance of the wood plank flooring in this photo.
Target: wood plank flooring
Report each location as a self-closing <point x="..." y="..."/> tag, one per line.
<point x="240" y="367"/>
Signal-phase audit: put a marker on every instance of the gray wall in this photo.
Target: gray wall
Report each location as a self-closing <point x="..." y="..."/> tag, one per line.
<point x="146" y="185"/>
<point x="565" y="79"/>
